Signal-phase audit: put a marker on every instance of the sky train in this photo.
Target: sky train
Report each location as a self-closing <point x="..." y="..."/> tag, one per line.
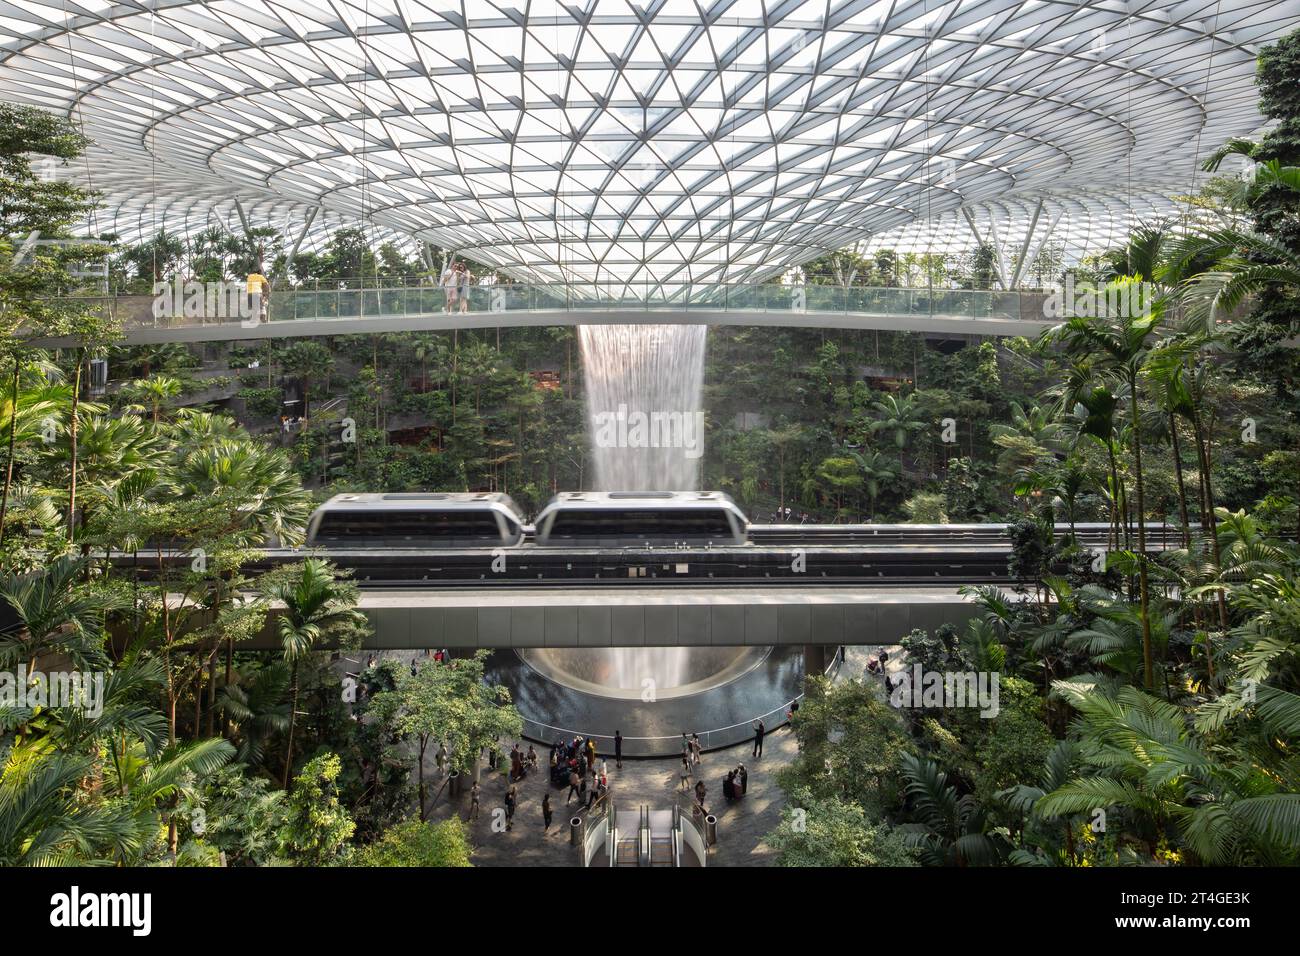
<point x="572" y="519"/>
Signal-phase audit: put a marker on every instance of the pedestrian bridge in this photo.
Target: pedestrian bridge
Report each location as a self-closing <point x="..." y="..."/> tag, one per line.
<point x="309" y="311"/>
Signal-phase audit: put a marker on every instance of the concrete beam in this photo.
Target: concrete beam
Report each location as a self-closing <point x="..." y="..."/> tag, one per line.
<point x="618" y="617"/>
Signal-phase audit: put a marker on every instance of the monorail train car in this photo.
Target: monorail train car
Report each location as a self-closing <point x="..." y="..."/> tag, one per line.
<point x="621" y="519"/>
<point x="419" y="520"/>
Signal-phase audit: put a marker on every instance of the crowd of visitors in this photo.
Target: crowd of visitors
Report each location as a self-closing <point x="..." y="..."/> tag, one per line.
<point x="575" y="763"/>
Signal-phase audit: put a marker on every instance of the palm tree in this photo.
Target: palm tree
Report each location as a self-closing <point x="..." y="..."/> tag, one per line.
<point x="271" y="500"/>
<point x="21" y="414"/>
<point x="156" y="390"/>
<point x="1119" y="345"/>
<point x="1028" y="439"/>
<point x="947" y="829"/>
<point x="877" y="471"/>
<point x="53" y="614"/>
<point x="315" y="606"/>
<point x="256" y="707"/>
<point x="268" y="503"/>
<point x="1221" y="269"/>
<point x="1065" y="480"/>
<point x="152" y="784"/>
<point x="898" y="417"/>
<point x="108" y="450"/>
<point x="1139" y="756"/>
<point x="45" y="819"/>
<point x="1058" y="769"/>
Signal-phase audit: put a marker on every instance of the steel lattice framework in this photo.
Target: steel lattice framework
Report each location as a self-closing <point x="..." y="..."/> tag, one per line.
<point x="670" y="139"/>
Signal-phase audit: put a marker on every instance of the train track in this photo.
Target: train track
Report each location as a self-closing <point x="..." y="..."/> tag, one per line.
<point x="779" y="556"/>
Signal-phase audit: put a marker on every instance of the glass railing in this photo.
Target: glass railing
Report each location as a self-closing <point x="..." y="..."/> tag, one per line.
<point x="304" y="303"/>
<point x="405" y="301"/>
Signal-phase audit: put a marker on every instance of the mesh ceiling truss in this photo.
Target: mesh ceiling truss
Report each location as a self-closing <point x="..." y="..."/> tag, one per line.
<point x="662" y="141"/>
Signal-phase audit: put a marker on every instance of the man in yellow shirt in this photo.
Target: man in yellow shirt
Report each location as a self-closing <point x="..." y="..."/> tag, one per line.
<point x="258" y="285"/>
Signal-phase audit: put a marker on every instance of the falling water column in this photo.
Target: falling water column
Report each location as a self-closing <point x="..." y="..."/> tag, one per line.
<point x="644" y="387"/>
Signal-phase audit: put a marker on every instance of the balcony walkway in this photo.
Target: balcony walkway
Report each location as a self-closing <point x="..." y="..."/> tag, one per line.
<point x="304" y="312"/>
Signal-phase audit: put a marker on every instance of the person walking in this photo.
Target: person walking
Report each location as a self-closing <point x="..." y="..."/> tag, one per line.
<point x="686" y="771"/>
<point x="759" y="731"/>
<point x="697" y="749"/>
<point x="618" y="749"/>
<point x="574" y="781"/>
<point x="546" y="812"/>
<point x="512" y="801"/>
<point x="473" y="801"/>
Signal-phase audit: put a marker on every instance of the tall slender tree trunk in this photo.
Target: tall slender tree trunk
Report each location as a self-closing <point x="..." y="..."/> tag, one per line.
<point x="1211" y="522"/>
<point x="1183" y="514"/>
<point x="1148" y="664"/>
<point x="293" y="721"/>
<point x="72" y="438"/>
<point x="1114" y="499"/>
<point x="1182" y="486"/>
<point x="420" y="763"/>
<point x="227" y="728"/>
<point x="13" y="441"/>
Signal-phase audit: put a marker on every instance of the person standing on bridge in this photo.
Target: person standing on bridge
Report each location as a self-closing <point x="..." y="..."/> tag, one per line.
<point x="450" y="283"/>
<point x="759" y="731"/>
<point x="258" y="290"/>
<point x="462" y="287"/>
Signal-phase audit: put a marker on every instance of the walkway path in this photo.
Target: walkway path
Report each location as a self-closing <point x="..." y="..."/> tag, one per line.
<point x="742" y="826"/>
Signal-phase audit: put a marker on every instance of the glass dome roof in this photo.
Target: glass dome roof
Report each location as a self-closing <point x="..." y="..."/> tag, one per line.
<point x="657" y="141"/>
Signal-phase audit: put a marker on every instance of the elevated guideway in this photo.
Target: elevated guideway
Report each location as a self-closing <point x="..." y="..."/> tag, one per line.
<point x="792" y="585"/>
<point x="640" y="616"/>
<point x="298" y="312"/>
<point x="810" y="556"/>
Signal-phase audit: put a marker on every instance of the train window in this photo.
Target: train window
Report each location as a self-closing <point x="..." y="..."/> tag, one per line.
<point x="670" y="523"/>
<point x="413" y="526"/>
